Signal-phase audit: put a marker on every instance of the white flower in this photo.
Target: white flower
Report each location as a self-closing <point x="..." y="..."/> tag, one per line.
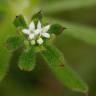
<point x="35" y="33"/>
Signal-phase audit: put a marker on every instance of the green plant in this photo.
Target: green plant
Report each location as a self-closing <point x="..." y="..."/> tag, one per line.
<point x="38" y="38"/>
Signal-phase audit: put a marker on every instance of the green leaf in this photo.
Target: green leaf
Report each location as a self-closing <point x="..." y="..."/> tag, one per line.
<point x="27" y="60"/>
<point x="14" y="43"/>
<point x="69" y="78"/>
<point x="56" y="29"/>
<point x="20" y="22"/>
<point x="52" y="56"/>
<point x="37" y="17"/>
<point x="63" y="72"/>
<point x="85" y="33"/>
<point x="4" y="62"/>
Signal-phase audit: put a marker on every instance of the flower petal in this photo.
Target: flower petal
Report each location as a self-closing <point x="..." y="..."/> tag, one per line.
<point x="40" y="41"/>
<point x="46" y="35"/>
<point x="26" y="31"/>
<point x="31" y="36"/>
<point x="46" y="28"/>
<point x="32" y="26"/>
<point x="39" y="25"/>
<point x="38" y="31"/>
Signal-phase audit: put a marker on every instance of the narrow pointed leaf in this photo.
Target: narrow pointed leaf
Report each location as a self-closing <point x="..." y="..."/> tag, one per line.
<point x="62" y="71"/>
<point x="85" y="33"/>
<point x="4" y="62"/>
<point x="20" y="22"/>
<point x="14" y="43"/>
<point x="53" y="56"/>
<point x="56" y="29"/>
<point x="27" y="60"/>
<point x="69" y="78"/>
<point x="37" y="17"/>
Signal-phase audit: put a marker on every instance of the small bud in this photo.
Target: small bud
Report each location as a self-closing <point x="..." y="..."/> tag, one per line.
<point x="33" y="42"/>
<point x="40" y="41"/>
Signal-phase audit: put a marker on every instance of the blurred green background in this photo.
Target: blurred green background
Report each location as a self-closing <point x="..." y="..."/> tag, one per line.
<point x="78" y="44"/>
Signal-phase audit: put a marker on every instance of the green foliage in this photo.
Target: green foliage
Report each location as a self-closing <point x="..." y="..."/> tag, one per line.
<point x="27" y="60"/>
<point x="63" y="72"/>
<point x="52" y="56"/>
<point x="20" y="22"/>
<point x="4" y="62"/>
<point x="69" y="78"/>
<point x="56" y="29"/>
<point x="76" y="27"/>
<point x="14" y="43"/>
<point x="38" y="16"/>
<point x="85" y="33"/>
